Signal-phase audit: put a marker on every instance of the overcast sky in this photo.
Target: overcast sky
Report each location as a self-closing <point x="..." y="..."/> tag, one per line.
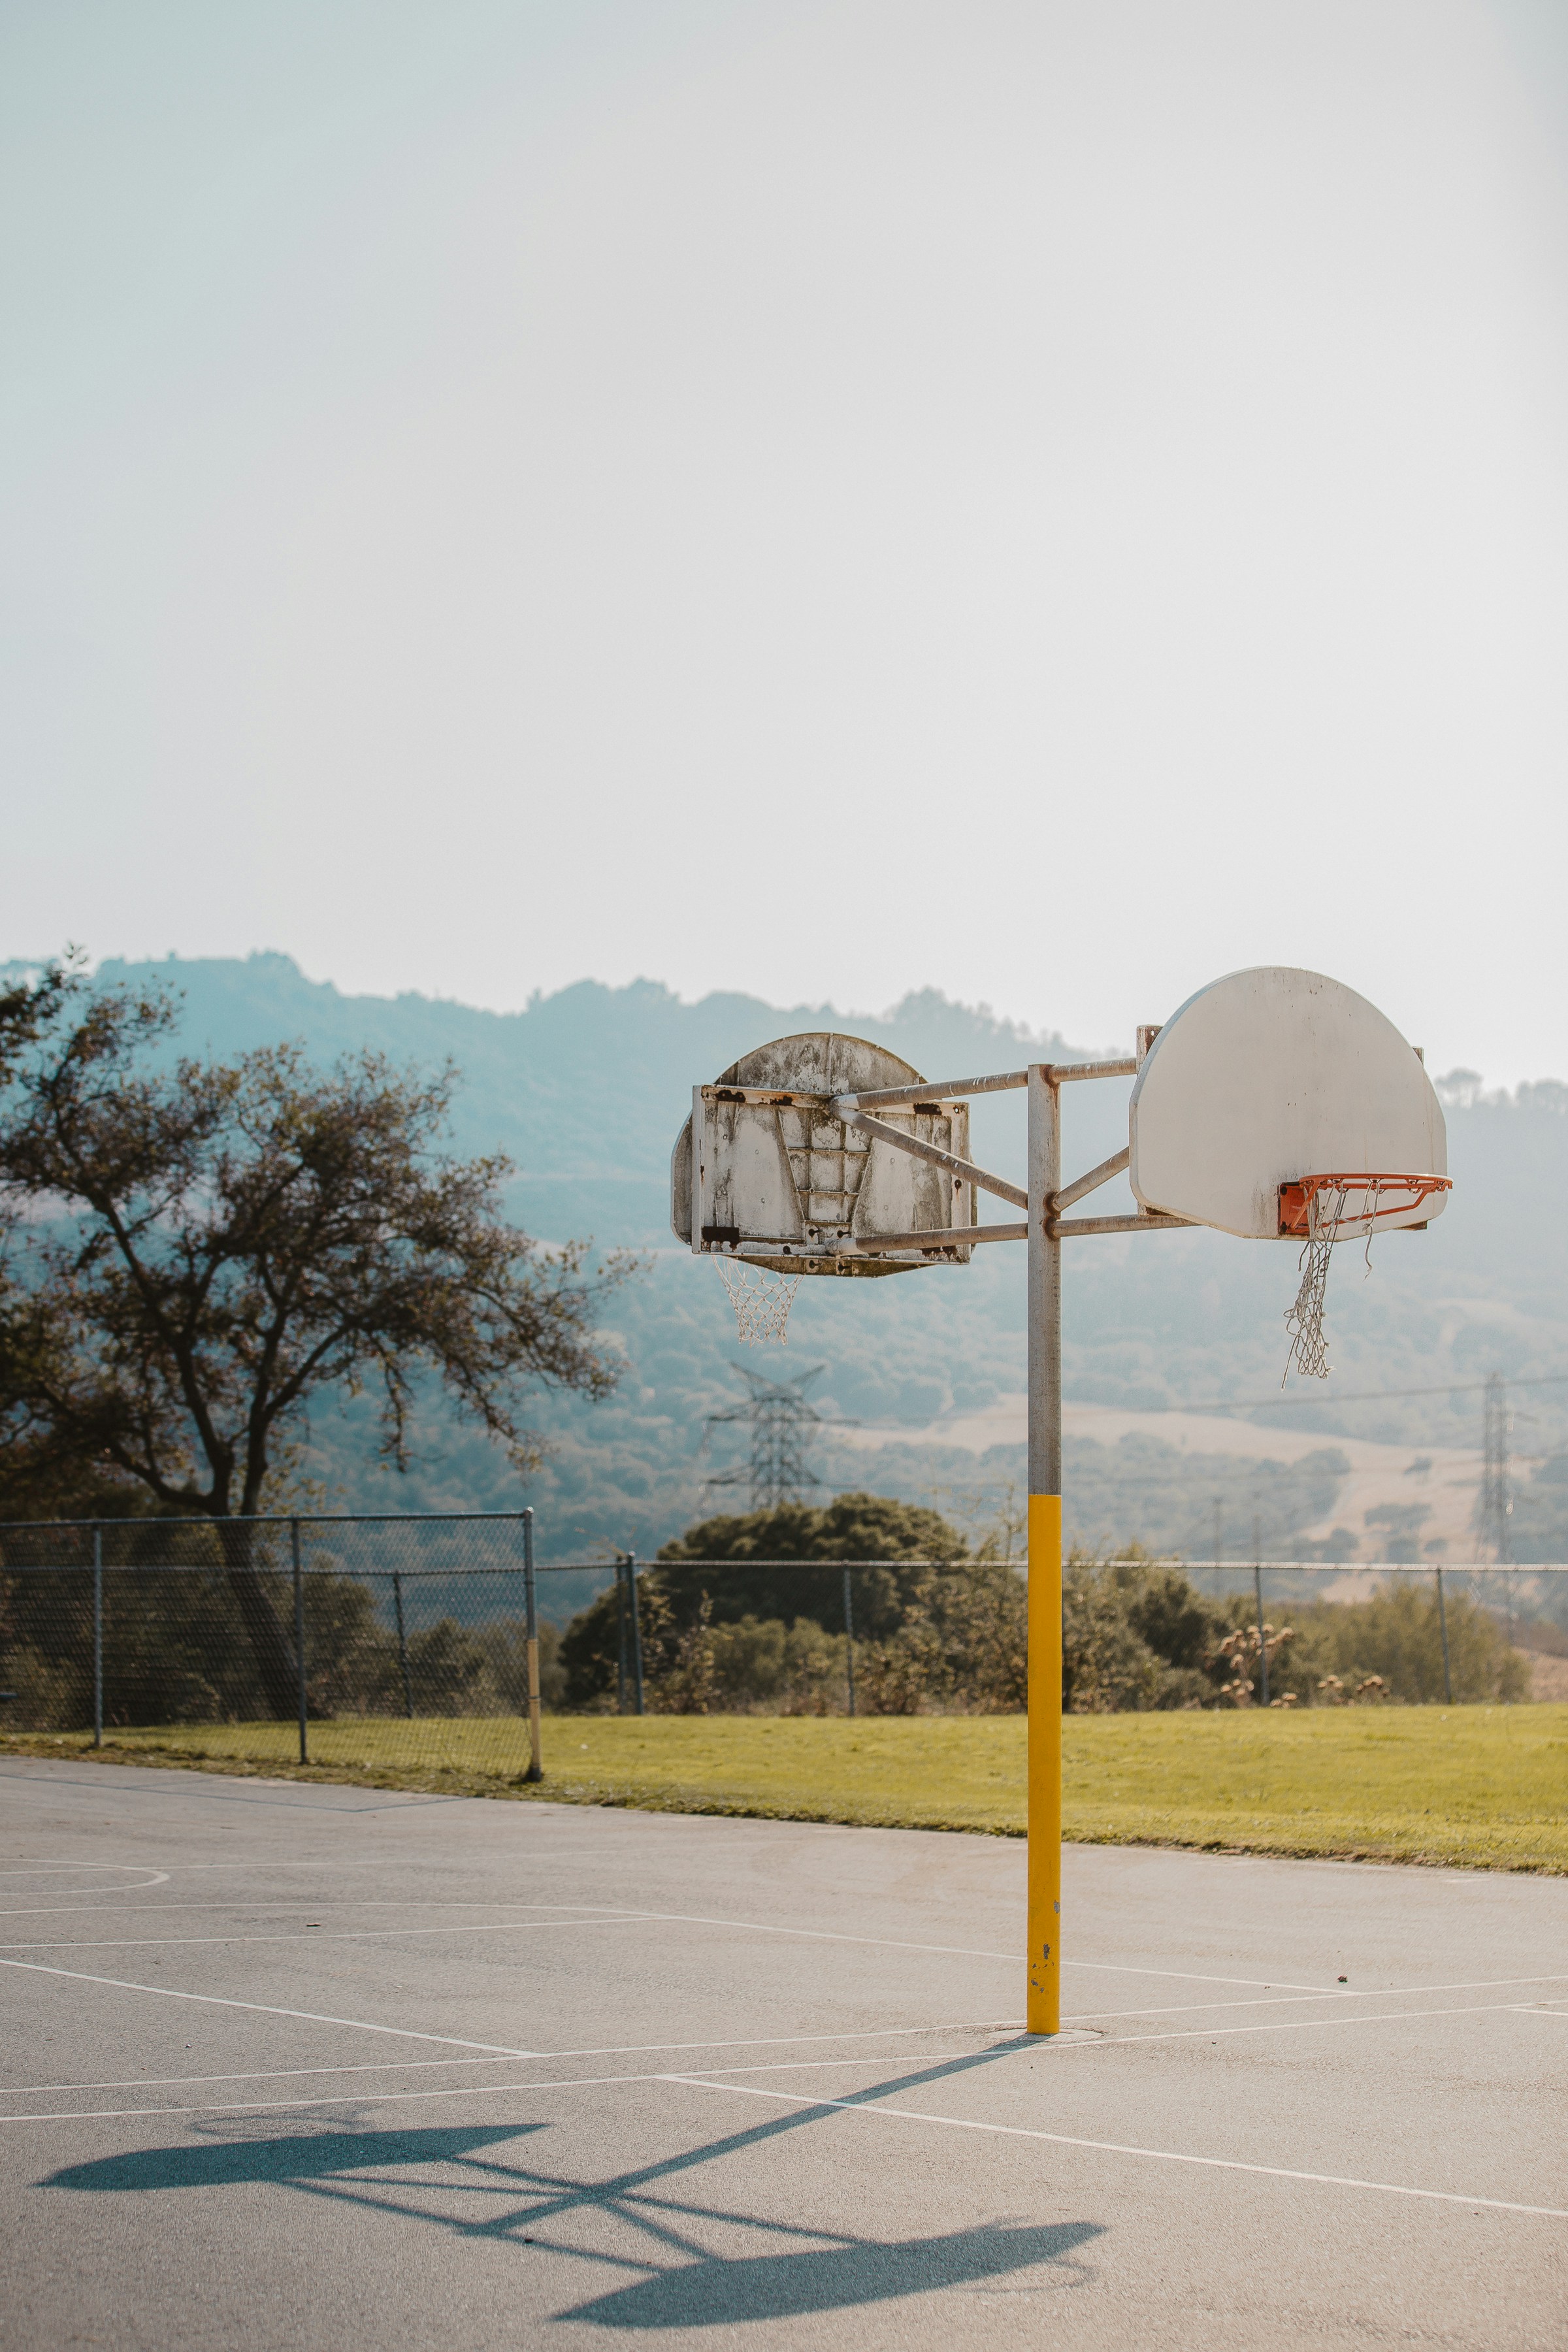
<point x="1053" y="503"/>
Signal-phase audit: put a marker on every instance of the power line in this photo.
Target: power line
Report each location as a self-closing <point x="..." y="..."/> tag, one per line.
<point x="1363" y="1396"/>
<point x="782" y="1421"/>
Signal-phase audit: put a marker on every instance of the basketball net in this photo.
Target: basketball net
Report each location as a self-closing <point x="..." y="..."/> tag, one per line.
<point x="761" y="1300"/>
<point x="1304" y="1321"/>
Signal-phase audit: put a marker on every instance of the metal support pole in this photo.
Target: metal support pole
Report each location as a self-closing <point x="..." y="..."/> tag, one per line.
<point x="636" y="1634"/>
<point x="623" y="1630"/>
<point x="98" y="1637"/>
<point x="849" y="1637"/>
<point x="299" y="1636"/>
<point x="535" y="1768"/>
<point x="1443" y="1629"/>
<point x="1043" y="1981"/>
<point x="402" y="1643"/>
<point x="1262" y="1637"/>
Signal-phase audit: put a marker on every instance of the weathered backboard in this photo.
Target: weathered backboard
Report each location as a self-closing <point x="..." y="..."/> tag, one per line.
<point x="1270" y="1076"/>
<point x="778" y="1180"/>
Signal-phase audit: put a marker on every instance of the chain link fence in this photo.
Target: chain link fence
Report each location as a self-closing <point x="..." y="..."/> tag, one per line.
<point x="417" y="1644"/>
<point x="408" y="1641"/>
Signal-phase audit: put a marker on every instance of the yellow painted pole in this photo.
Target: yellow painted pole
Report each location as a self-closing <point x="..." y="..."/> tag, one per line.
<point x="1042" y="1991"/>
<point x="1043" y="1994"/>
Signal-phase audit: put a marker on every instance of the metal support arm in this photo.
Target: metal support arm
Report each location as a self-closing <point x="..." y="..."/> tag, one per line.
<point x="933" y="1091"/>
<point x="963" y="1169"/>
<point x="1061" y="1072"/>
<point x="1064" y="1228"/>
<point x="1083" y="1185"/>
<point x="942" y="1237"/>
<point x="887" y="1097"/>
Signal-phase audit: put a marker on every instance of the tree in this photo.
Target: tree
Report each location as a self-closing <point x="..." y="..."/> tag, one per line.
<point x="853" y="1527"/>
<point x="686" y="1586"/>
<point x="210" y="1248"/>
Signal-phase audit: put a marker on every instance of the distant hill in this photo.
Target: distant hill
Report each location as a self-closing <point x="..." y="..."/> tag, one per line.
<point x="585" y="1090"/>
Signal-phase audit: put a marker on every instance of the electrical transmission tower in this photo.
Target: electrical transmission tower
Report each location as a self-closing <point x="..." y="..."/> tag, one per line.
<point x="783" y="1421"/>
<point x="1495" y="1506"/>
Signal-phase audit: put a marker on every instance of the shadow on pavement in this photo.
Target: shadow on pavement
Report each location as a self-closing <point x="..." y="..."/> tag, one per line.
<point x="308" y="2155"/>
<point x="465" y="2185"/>
<point x="718" y="2293"/>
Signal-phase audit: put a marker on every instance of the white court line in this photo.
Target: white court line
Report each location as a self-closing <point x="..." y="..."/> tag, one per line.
<point x="1115" y="2148"/>
<point x="381" y="2098"/>
<point x="967" y="1951"/>
<point x="73" y="1862"/>
<point x="306" y="1935"/>
<point x="455" y="2091"/>
<point x="1315" y="2025"/>
<point x="606" y="1915"/>
<point x="603" y="1915"/>
<point x="586" y="1914"/>
<point x="1342" y="1992"/>
<point x="1189" y="1976"/>
<point x="39" y="1869"/>
<point x="597" y="1916"/>
<point x="278" y="1904"/>
<point x="602" y="2049"/>
<point x="708" y="2081"/>
<point x="267" y="2009"/>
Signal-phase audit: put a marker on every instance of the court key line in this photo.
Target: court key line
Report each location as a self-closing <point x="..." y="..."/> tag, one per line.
<point x="269" y="2009"/>
<point x="970" y="1952"/>
<point x="1319" y="2024"/>
<point x="698" y="2081"/>
<point x="452" y="2091"/>
<point x="288" y="1902"/>
<point x="761" y="2042"/>
<point x="599" y="2050"/>
<point x="592" y="1914"/>
<point x="1117" y="2148"/>
<point x="306" y="1935"/>
<point x="605" y="1915"/>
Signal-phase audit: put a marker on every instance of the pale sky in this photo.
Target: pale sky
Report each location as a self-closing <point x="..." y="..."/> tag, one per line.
<point x="1049" y="502"/>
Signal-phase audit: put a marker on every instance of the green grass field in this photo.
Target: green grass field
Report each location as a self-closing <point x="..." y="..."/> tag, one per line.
<point x="1486" y="1786"/>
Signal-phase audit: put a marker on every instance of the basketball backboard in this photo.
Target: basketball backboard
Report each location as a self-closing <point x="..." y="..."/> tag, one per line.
<point x="1267" y="1078"/>
<point x="781" y="1181"/>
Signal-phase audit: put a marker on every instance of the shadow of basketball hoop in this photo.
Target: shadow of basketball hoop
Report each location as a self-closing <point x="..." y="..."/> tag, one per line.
<point x="724" y="2293"/>
<point x="465" y="2180"/>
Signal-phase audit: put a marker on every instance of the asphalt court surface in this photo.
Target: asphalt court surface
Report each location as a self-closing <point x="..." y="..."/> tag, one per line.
<point x="301" y="2065"/>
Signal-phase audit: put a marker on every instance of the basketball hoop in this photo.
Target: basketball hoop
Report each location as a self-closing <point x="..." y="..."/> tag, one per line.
<point x="761" y="1300"/>
<point x="1323" y="1210"/>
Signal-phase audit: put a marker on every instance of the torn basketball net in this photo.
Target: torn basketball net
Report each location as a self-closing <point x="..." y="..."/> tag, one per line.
<point x="761" y="1299"/>
<point x="1327" y="1208"/>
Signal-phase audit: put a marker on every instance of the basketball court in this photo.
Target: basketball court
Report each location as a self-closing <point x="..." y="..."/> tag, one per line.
<point x="294" y="2065"/>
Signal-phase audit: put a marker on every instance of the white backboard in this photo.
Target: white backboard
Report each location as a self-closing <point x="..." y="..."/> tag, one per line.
<point x="778" y="1180"/>
<point x="1270" y="1076"/>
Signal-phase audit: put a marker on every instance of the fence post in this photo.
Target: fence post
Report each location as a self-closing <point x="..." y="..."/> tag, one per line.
<point x="637" y="1631"/>
<point x="535" y="1768"/>
<point x="622" y="1629"/>
<point x="98" y="1637"/>
<point x="1262" y="1640"/>
<point x="1443" y="1628"/>
<point x="849" y="1638"/>
<point x="299" y="1636"/>
<point x="402" y="1643"/>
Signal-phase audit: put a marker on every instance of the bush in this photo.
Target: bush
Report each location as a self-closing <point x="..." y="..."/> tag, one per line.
<point x="1396" y="1636"/>
<point x="953" y="1636"/>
